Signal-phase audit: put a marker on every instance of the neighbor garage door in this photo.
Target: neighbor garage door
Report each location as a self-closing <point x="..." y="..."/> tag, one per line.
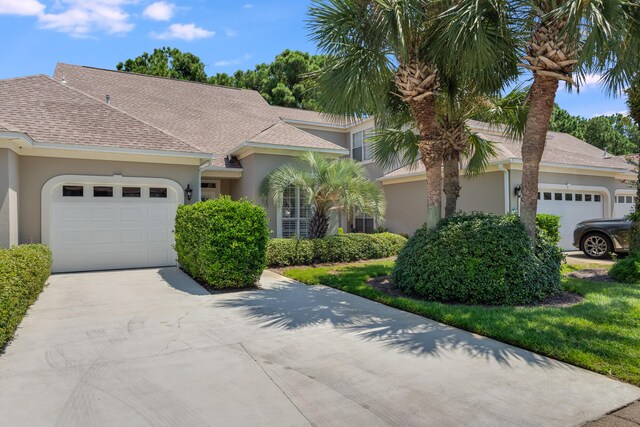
<point x="110" y="223"/>
<point x="572" y="207"/>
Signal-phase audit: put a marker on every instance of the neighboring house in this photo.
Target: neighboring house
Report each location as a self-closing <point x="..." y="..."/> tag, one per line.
<point x="94" y="162"/>
<point x="577" y="181"/>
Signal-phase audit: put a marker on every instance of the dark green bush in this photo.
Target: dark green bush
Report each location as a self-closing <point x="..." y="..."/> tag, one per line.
<point x="23" y="273"/>
<point x="286" y="252"/>
<point x="337" y="248"/>
<point x="222" y="242"/>
<point x="478" y="259"/>
<point x="551" y="225"/>
<point x="627" y="269"/>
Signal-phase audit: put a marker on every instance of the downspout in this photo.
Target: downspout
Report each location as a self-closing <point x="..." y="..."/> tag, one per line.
<point x="507" y="188"/>
<point x="199" y="189"/>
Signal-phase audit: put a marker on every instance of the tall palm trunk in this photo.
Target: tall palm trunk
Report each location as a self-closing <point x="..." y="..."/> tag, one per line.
<point x="541" y="97"/>
<point x="451" y="187"/>
<point x="417" y="83"/>
<point x="551" y="57"/>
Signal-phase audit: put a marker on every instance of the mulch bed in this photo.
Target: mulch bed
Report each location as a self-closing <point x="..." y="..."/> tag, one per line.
<point x="594" y="274"/>
<point x="561" y="299"/>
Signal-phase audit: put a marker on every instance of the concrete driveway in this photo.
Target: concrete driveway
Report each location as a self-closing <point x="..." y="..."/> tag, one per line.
<point x="151" y="347"/>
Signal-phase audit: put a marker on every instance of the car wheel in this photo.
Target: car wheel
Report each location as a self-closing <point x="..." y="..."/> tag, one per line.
<point x="597" y="245"/>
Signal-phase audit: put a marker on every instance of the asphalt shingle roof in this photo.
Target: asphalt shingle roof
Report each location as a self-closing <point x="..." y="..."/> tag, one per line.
<point x="280" y="131"/>
<point x="215" y="119"/>
<point x="561" y="149"/>
<point x="50" y="112"/>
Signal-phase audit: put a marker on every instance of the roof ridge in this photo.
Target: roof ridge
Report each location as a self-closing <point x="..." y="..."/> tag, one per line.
<point x="125" y="113"/>
<point x="24" y="77"/>
<point x="173" y="79"/>
<point x="266" y="129"/>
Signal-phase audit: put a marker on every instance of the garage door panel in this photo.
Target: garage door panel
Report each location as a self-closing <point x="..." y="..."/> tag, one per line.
<point x="71" y="237"/>
<point x="573" y="208"/>
<point x="132" y="236"/>
<point x="96" y="233"/>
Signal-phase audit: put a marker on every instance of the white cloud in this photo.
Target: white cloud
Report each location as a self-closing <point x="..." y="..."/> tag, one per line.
<point x="591" y="80"/>
<point x="236" y="61"/>
<point x="230" y="32"/>
<point x="248" y="6"/>
<point x="159" y="11"/>
<point x="183" y="32"/>
<point x="83" y="17"/>
<point x="21" y="7"/>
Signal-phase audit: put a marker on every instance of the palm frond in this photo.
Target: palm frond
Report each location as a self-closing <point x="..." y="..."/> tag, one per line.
<point x="479" y="155"/>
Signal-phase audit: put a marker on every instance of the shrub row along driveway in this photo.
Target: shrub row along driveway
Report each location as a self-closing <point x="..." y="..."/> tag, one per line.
<point x="150" y="347"/>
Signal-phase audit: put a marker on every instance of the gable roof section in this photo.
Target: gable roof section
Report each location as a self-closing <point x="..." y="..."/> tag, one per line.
<point x="214" y="119"/>
<point x="313" y="117"/>
<point x="51" y="113"/>
<point x="561" y="149"/>
<point x="280" y="131"/>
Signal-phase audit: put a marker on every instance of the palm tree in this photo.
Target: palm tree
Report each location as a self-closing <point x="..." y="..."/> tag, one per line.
<point x="328" y="185"/>
<point x="562" y="40"/>
<point x="394" y="142"/>
<point x="633" y="102"/>
<point x="374" y="48"/>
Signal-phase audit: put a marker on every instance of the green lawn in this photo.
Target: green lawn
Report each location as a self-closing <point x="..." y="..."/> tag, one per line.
<point x="602" y="333"/>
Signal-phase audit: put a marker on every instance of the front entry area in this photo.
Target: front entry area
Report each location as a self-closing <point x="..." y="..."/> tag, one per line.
<point x="103" y="223"/>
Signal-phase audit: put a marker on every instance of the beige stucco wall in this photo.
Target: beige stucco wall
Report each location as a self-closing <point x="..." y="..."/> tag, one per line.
<point x="9" y="188"/>
<point x="255" y="169"/>
<point x="36" y="171"/>
<point x="339" y="138"/>
<point x="406" y="202"/>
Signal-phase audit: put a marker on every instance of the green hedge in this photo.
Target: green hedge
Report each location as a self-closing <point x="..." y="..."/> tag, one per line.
<point x="23" y="273"/>
<point x="222" y="243"/>
<point x="337" y="248"/>
<point x="627" y="269"/>
<point x="551" y="225"/>
<point x="478" y="259"/>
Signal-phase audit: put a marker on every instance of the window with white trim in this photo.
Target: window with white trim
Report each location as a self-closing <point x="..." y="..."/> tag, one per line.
<point x="295" y="214"/>
<point x="360" y="147"/>
<point x="363" y="223"/>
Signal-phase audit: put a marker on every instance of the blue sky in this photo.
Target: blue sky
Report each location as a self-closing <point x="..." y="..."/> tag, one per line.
<point x="226" y="35"/>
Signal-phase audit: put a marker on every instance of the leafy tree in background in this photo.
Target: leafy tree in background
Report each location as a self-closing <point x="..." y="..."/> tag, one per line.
<point x="563" y="121"/>
<point x="166" y="62"/>
<point x="601" y="132"/>
<point x="283" y="82"/>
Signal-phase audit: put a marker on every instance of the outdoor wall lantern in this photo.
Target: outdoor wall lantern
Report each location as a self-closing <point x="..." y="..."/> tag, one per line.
<point x="188" y="192"/>
<point x="517" y="191"/>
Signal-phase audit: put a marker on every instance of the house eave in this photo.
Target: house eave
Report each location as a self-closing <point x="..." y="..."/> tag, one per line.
<point x="249" y="147"/>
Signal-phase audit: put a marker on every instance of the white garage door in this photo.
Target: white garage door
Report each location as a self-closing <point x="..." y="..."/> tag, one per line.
<point x="110" y="224"/>
<point x="572" y="207"/>
<point x="623" y="205"/>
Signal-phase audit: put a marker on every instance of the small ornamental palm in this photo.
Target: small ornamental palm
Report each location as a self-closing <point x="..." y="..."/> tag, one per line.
<point x="557" y="41"/>
<point x="327" y="185"/>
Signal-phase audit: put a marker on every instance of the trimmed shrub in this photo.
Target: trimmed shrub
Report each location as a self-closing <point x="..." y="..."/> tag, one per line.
<point x="23" y="272"/>
<point x="222" y="243"/>
<point x="627" y="269"/>
<point x="478" y="258"/>
<point x="286" y="252"/>
<point x="550" y="224"/>
<point x="337" y="248"/>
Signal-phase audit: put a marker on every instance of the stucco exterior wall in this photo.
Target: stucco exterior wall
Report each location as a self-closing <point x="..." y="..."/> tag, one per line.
<point x="255" y="168"/>
<point x="36" y="171"/>
<point x="406" y="202"/>
<point x="9" y="188"/>
<point x="339" y="138"/>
